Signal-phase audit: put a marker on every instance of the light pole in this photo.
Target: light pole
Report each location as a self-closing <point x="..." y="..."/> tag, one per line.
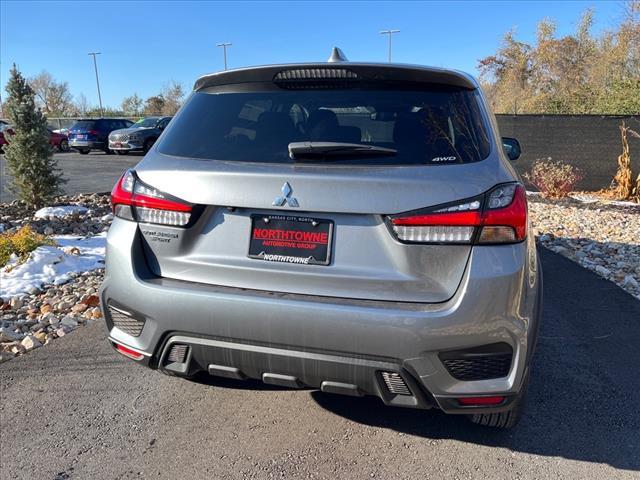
<point x="390" y="33"/>
<point x="95" y="66"/>
<point x="224" y="47"/>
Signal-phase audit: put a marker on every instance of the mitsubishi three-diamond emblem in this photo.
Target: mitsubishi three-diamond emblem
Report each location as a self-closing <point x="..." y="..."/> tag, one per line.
<point x="286" y="198"/>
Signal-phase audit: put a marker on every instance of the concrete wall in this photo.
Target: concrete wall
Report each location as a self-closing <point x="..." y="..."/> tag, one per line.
<point x="590" y="142"/>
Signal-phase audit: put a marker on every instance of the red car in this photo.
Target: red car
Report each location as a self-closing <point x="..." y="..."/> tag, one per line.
<point x="56" y="140"/>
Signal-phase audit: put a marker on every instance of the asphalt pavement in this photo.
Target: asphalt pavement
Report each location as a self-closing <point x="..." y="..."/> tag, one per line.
<point x="94" y="172"/>
<point x="75" y="409"/>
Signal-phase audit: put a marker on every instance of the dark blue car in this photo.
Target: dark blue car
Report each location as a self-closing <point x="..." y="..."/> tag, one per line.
<point x="92" y="134"/>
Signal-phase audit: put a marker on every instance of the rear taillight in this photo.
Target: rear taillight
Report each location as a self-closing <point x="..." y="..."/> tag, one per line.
<point x="134" y="200"/>
<point x="505" y="216"/>
<point x="92" y="132"/>
<point x="499" y="216"/>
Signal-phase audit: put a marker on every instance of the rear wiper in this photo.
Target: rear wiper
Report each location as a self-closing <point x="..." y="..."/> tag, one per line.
<point x="336" y="150"/>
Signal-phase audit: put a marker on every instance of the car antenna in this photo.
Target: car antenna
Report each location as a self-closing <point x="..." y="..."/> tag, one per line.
<point x="337" y="55"/>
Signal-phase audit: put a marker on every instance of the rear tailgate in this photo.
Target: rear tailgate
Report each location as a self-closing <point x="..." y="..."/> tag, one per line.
<point x="366" y="261"/>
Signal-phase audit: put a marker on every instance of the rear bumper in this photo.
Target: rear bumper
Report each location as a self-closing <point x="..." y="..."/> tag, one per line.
<point x="334" y="344"/>
<point x="125" y="146"/>
<point x="86" y="144"/>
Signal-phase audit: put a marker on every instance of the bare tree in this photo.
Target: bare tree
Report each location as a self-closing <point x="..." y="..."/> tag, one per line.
<point x="81" y="106"/>
<point x="172" y="94"/>
<point x="132" y="105"/>
<point x="53" y="97"/>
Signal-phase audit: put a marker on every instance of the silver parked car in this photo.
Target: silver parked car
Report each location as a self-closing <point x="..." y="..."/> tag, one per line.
<point x="356" y="228"/>
<point x="138" y="137"/>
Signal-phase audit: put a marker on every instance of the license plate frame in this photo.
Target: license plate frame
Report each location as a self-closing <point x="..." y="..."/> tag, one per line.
<point x="296" y="239"/>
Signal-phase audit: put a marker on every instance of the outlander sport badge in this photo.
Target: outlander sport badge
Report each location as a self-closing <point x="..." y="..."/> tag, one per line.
<point x="286" y="198"/>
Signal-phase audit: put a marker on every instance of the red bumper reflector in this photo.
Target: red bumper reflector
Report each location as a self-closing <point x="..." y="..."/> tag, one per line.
<point x="473" y="401"/>
<point x="127" y="352"/>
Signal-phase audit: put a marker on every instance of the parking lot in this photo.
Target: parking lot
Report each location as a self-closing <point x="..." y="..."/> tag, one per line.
<point x="77" y="409"/>
<point x="95" y="172"/>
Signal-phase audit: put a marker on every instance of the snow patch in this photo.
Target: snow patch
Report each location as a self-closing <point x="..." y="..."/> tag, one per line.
<point x="53" y="265"/>
<point x="61" y="211"/>
<point x="586" y="198"/>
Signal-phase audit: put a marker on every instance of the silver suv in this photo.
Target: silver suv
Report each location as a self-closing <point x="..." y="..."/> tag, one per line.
<point x="356" y="228"/>
<point x="138" y="137"/>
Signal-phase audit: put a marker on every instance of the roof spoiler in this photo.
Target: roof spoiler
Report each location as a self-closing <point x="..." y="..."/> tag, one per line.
<point x="364" y="72"/>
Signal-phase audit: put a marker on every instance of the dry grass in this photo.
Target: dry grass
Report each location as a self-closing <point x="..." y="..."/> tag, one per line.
<point x="623" y="186"/>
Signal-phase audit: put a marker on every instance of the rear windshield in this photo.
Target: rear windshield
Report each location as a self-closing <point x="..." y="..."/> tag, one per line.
<point x="437" y="126"/>
<point x="84" y="125"/>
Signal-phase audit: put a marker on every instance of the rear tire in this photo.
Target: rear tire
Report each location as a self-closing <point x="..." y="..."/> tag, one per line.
<point x="121" y="152"/>
<point x="64" y="146"/>
<point x="506" y="419"/>
<point x="84" y="151"/>
<point x="107" y="151"/>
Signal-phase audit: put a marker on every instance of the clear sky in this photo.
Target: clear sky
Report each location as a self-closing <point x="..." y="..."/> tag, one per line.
<point x="146" y="44"/>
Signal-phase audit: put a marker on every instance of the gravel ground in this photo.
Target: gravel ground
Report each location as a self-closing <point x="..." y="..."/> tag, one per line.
<point x="603" y="238"/>
<point x="48" y="313"/>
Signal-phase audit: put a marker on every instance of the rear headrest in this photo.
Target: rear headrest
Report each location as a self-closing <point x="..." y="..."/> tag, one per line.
<point x="325" y="117"/>
<point x="322" y="125"/>
<point x="409" y="129"/>
<point x="275" y="127"/>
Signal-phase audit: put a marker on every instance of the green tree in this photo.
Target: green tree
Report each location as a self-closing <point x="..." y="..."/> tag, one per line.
<point x="35" y="177"/>
<point x="154" y="105"/>
<point x="95" y="112"/>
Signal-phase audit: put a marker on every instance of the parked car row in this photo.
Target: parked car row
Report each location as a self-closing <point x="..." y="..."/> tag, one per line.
<point x="107" y="134"/>
<point x="116" y="135"/>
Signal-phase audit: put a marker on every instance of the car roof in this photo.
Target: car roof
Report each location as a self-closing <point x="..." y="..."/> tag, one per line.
<point x="101" y="118"/>
<point x="385" y="72"/>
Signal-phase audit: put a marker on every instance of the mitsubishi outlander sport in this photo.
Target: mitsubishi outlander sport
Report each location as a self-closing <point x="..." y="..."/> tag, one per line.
<point x="352" y="227"/>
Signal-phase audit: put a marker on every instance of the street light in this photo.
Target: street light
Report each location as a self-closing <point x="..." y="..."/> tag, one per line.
<point x="95" y="66"/>
<point x="224" y="47"/>
<point x="390" y="33"/>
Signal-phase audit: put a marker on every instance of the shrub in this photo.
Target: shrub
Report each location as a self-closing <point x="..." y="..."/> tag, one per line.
<point x="35" y="177"/>
<point x="554" y="178"/>
<point x="21" y="242"/>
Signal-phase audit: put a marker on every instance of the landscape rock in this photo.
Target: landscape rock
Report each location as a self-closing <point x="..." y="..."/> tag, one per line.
<point x="600" y="237"/>
<point x="30" y="342"/>
<point x="16" y="303"/>
<point x="69" y="322"/>
<point x="79" y="308"/>
<point x="7" y="335"/>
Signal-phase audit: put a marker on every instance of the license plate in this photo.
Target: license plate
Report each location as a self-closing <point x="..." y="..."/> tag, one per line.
<point x="117" y="144"/>
<point x="286" y="239"/>
<point x="79" y="137"/>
